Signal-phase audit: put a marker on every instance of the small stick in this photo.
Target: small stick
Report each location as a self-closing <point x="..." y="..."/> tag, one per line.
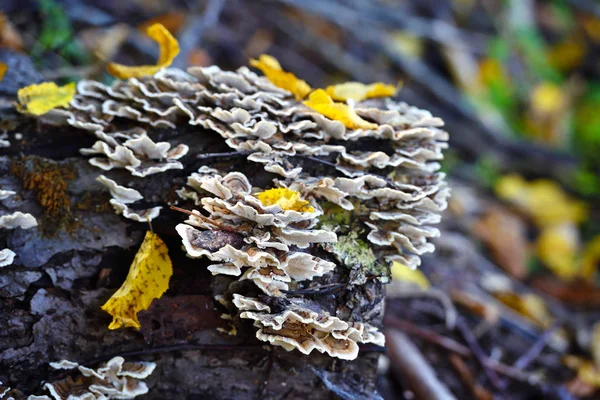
<point x="413" y="368"/>
<point x="536" y="349"/>
<point x="479" y="355"/>
<point x="205" y="219"/>
<point x="454" y="346"/>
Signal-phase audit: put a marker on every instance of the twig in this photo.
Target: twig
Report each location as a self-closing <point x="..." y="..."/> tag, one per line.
<point x="223" y="155"/>
<point x="205" y="219"/>
<point x="317" y="290"/>
<point x="479" y="354"/>
<point x="536" y="349"/>
<point x="191" y="35"/>
<point x="452" y="345"/>
<point x="413" y="368"/>
<point x="449" y="310"/>
<point x="468" y="379"/>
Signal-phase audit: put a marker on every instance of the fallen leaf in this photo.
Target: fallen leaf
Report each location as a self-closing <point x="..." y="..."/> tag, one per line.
<point x="285" y="198"/>
<point x="543" y="199"/>
<point x="557" y="247"/>
<point x="505" y="235"/>
<point x="403" y="273"/>
<point x="547" y="98"/>
<point x="9" y="35"/>
<point x="591" y="259"/>
<point x="169" y="49"/>
<point x="320" y="101"/>
<point x="587" y="371"/>
<point x="3" y="69"/>
<point x="529" y="305"/>
<point x="359" y="91"/>
<point x="41" y="98"/>
<point x="577" y="293"/>
<point x="280" y="78"/>
<point x="567" y="54"/>
<point x="148" y="279"/>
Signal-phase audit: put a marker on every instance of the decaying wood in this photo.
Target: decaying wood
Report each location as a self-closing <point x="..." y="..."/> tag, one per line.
<point x="50" y="299"/>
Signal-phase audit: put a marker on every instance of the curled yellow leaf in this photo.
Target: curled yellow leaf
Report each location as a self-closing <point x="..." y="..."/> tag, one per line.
<point x="148" y="279"/>
<point x="280" y="78"/>
<point x="320" y="101"/>
<point x="359" y="91"/>
<point x="404" y="273"/>
<point x="285" y="198"/>
<point x="3" y="69"/>
<point x="169" y="48"/>
<point x="39" y="99"/>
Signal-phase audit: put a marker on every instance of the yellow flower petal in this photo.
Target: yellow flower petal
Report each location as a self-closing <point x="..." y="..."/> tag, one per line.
<point x="148" y="279"/>
<point x="280" y="78"/>
<point x="3" y="69"/>
<point x="557" y="248"/>
<point x="359" y="91"/>
<point x="39" y="99"/>
<point x="403" y="273"/>
<point x="169" y="48"/>
<point x="285" y="198"/>
<point x="320" y="101"/>
<point x="543" y="199"/>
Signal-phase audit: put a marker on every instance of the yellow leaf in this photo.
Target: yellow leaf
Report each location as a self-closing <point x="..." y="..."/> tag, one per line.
<point x="39" y="99"/>
<point x="557" y="248"/>
<point x="3" y="69"/>
<point x="547" y="98"/>
<point x="567" y="54"/>
<point x="285" y="198"/>
<point x="148" y="279"/>
<point x="405" y="44"/>
<point x="169" y="48"/>
<point x="280" y="78"/>
<point x="359" y="91"/>
<point x="403" y="273"/>
<point x="543" y="199"/>
<point x="529" y="305"/>
<point x="320" y="101"/>
<point x="586" y="370"/>
<point x="590" y="262"/>
<point x="490" y="71"/>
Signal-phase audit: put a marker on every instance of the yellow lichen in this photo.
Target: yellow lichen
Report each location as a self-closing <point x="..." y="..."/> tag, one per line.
<point x="169" y="49"/>
<point x="285" y="198"/>
<point x="280" y="78"/>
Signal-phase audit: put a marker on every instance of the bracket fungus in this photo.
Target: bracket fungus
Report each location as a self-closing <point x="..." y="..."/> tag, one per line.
<point x="375" y="158"/>
<point x="115" y="379"/>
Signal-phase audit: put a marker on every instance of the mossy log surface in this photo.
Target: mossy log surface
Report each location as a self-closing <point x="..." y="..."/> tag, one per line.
<point x="69" y="265"/>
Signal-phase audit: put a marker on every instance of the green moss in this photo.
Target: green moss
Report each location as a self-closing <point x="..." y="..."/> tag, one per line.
<point x="335" y="216"/>
<point x="356" y="254"/>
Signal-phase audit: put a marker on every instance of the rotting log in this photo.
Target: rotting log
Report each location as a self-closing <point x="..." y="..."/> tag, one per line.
<point x="50" y="298"/>
<point x="367" y="189"/>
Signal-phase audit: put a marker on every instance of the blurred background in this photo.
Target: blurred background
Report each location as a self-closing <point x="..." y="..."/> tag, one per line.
<point x="510" y="302"/>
